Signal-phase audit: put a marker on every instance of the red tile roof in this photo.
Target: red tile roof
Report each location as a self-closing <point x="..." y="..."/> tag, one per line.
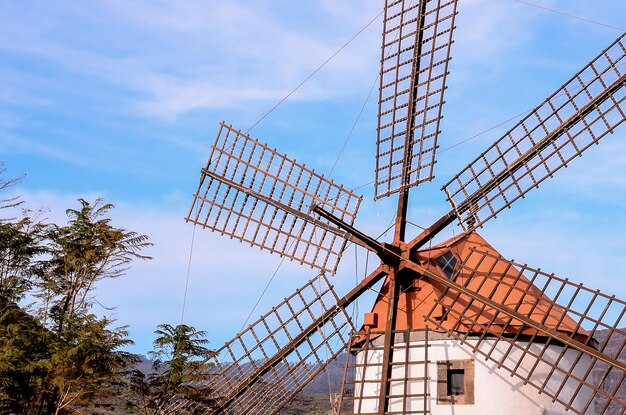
<point x="493" y="279"/>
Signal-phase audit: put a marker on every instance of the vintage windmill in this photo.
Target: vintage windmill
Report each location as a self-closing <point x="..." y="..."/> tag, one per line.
<point x="453" y="323"/>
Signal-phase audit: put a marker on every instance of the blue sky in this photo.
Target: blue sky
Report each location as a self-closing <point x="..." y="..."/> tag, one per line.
<point x="122" y="100"/>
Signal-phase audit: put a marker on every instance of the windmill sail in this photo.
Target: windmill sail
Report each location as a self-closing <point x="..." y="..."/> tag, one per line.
<point x="268" y="363"/>
<point x="576" y="341"/>
<point x="251" y="192"/>
<point x="417" y="36"/>
<point x="579" y="114"/>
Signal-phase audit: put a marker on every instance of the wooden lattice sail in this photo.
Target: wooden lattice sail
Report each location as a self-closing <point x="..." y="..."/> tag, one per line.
<point x="576" y="116"/>
<point x="257" y="195"/>
<point x="417" y="38"/>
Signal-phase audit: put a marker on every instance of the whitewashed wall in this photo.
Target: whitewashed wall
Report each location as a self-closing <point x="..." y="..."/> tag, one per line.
<point x="496" y="392"/>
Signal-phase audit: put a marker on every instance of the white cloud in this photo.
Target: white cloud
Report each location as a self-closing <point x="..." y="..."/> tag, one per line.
<point x="233" y="55"/>
<point x="485" y="29"/>
<point x="20" y="144"/>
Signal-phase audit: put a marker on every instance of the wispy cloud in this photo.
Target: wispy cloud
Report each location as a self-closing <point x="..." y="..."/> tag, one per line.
<point x="233" y="55"/>
<point x="12" y="143"/>
<point x="485" y="28"/>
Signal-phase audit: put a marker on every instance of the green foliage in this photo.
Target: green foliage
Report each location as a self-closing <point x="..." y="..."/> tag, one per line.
<point x="176" y="350"/>
<point x="180" y="370"/>
<point x="85" y="251"/>
<point x="24" y="351"/>
<point x="20" y="245"/>
<point x="87" y="360"/>
<point x="56" y="356"/>
<point x="62" y="356"/>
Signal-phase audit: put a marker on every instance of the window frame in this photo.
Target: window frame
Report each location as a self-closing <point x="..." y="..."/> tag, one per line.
<point x="444" y="369"/>
<point x="447" y="262"/>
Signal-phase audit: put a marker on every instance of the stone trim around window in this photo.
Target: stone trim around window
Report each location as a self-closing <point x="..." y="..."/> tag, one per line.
<point x="444" y="369"/>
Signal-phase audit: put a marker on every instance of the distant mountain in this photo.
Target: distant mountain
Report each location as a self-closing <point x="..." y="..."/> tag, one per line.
<point x="613" y="348"/>
<point x="315" y="398"/>
<point x="329" y="380"/>
<point x="144" y="365"/>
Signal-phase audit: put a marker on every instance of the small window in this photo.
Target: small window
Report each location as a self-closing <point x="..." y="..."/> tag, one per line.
<point x="447" y="263"/>
<point x="456" y="381"/>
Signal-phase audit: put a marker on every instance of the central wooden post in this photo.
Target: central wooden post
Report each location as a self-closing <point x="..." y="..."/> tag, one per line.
<point x="389" y="339"/>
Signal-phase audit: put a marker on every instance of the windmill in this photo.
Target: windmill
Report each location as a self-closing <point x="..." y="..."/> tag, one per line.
<point x="501" y="320"/>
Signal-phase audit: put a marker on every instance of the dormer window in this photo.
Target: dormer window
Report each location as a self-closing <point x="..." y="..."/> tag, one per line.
<point x="447" y="262"/>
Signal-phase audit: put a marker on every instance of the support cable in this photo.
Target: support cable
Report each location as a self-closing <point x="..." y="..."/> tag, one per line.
<point x="573" y="16"/>
<point x="340" y="152"/>
<point x="521" y="114"/>
<point x="267" y="286"/>
<point x="193" y="238"/>
<point x="314" y="72"/>
<point x="356" y="121"/>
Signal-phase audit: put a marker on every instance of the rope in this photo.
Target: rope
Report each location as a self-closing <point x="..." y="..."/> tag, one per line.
<point x="282" y="259"/>
<point x="341" y="151"/>
<point x="465" y="140"/>
<point x="584" y="19"/>
<point x="193" y="238"/>
<point x="314" y="72"/>
<point x="473" y="137"/>
<point x="356" y="121"/>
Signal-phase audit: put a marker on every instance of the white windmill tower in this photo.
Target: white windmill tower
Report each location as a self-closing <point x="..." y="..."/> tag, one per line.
<point x="456" y="328"/>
